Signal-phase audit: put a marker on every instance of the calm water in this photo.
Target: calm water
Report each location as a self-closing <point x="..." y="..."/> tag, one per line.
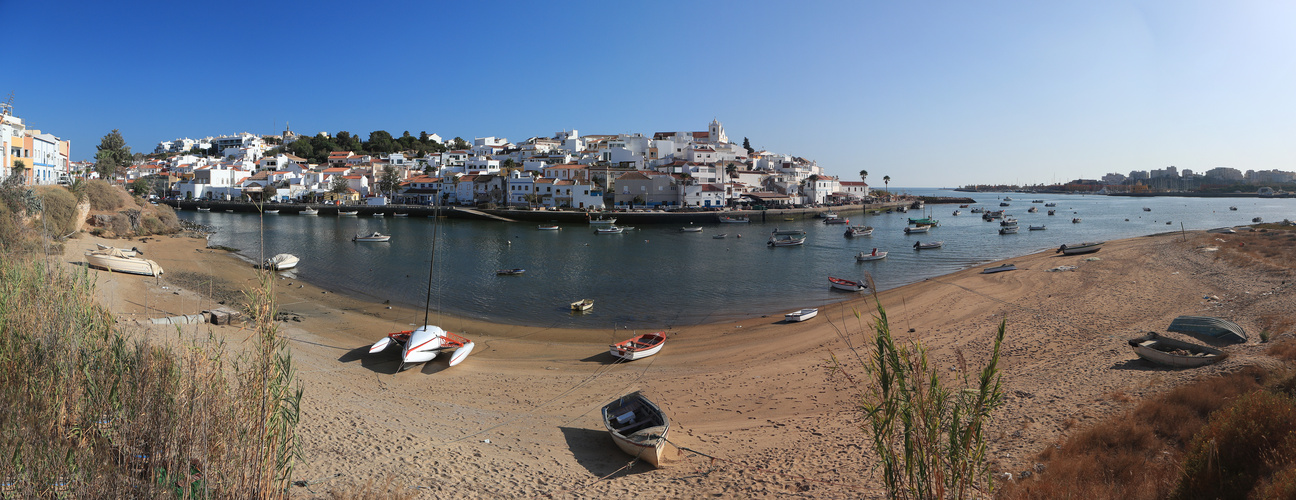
<point x="657" y="276"/>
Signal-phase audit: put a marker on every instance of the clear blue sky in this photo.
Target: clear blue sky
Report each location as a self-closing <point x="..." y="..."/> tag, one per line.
<point x="937" y="93"/>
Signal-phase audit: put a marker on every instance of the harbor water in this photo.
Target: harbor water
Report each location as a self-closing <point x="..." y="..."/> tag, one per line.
<point x="658" y="276"/>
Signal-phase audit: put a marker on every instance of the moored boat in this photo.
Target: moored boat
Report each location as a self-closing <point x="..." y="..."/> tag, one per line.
<point x="853" y="231"/>
<point x="548" y="227"/>
<point x="1008" y="230"/>
<point x="928" y="246"/>
<point x="734" y="220"/>
<point x="114" y="259"/>
<point x="281" y="262"/>
<point x="801" y="315"/>
<point x="308" y="211"/>
<point x="847" y="285"/>
<point x="639" y="428"/>
<point x="582" y="305"/>
<point x="639" y="346"/>
<point x="510" y="272"/>
<point x="375" y="237"/>
<point x="786" y="241"/>
<point x="1080" y="248"/>
<point x="874" y="255"/>
<point x="1175" y="353"/>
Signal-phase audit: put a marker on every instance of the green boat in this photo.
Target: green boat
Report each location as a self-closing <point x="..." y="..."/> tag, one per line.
<point x="925" y="221"/>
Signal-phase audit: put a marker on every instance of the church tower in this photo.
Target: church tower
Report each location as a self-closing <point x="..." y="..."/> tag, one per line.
<point x="717" y="133"/>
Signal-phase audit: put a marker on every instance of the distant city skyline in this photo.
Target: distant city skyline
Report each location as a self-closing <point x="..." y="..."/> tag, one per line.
<point x="930" y="95"/>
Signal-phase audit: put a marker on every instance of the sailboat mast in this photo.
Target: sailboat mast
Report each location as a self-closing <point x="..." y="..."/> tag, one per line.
<point x="436" y="229"/>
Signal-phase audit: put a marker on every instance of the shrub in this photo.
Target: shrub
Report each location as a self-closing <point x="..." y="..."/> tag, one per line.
<point x="168" y="217"/>
<point x="58" y="210"/>
<point x="1243" y="444"/>
<point x="104" y="196"/>
<point x="152" y="225"/>
<point x="121" y="225"/>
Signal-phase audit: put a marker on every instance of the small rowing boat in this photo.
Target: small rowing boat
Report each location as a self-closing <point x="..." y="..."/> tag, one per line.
<point x="638" y="347"/>
<point x="847" y="285"/>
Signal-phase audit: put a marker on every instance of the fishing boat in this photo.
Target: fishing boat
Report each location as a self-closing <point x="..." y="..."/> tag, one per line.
<point x="602" y="221"/>
<point x="375" y="237"/>
<point x="281" y="262"/>
<point x="1209" y="329"/>
<point x="801" y="315"/>
<point x="786" y="241"/>
<point x="377" y="214"/>
<point x="400" y="214"/>
<point x="308" y="211"/>
<point x="999" y="269"/>
<point x="1052" y="212"/>
<point x="720" y="236"/>
<point x="639" y="346"/>
<point x="350" y="213"/>
<point x="734" y="220"/>
<point x="691" y="229"/>
<point x="836" y="220"/>
<point x="1174" y="353"/>
<point x="847" y="285"/>
<point x="638" y="427"/>
<point x="925" y="221"/>
<point x="1040" y="227"/>
<point x="928" y="246"/>
<point x="786" y="232"/>
<point x="271" y="211"/>
<point x="854" y="231"/>
<point x="1080" y="248"/>
<point x="918" y="229"/>
<point x="1050" y="204"/>
<point x="1008" y="230"/>
<point x="957" y="213"/>
<point x="208" y="209"/>
<point x="510" y="272"/>
<point x="874" y="255"/>
<point x="609" y="230"/>
<point x="114" y="259"/>
<point x="582" y="305"/>
<point x="548" y="227"/>
<point x="1075" y="220"/>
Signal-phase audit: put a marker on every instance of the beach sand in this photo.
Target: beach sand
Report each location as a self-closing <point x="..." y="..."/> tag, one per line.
<point x="753" y="401"/>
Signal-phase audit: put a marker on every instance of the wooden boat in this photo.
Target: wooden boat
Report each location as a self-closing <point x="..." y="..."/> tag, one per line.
<point x="801" y="315"/>
<point x="1040" y="227"/>
<point x="548" y="227"/>
<point x="582" y="305"/>
<point x="1008" y="230"/>
<point x="875" y="255"/>
<point x="309" y="211"/>
<point x="786" y="241"/>
<point x="918" y="229"/>
<point x="847" y="285"/>
<point x="281" y="262"/>
<point x="691" y="229"/>
<point x="638" y="427"/>
<point x="1209" y="329"/>
<point x="638" y="347"/>
<point x="734" y="220"/>
<point x="609" y="230"/>
<point x="836" y="220"/>
<point x="928" y="246"/>
<point x="510" y="272"/>
<point x="1079" y="248"/>
<point x="1175" y="353"/>
<point x="999" y="269"/>
<point x="854" y="231"/>
<point x="376" y="237"/>
<point x="348" y="213"/>
<point x="114" y="259"/>
<point x="788" y="232"/>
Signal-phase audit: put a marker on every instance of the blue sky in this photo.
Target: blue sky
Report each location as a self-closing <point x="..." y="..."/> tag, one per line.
<point x="940" y="93"/>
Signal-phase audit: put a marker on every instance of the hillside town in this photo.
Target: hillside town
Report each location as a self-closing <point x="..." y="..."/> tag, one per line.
<point x="667" y="170"/>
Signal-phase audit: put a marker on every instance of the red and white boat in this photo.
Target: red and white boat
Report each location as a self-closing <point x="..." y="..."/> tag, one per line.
<point x="639" y="347"/>
<point x="848" y="285"/>
<point x="423" y="345"/>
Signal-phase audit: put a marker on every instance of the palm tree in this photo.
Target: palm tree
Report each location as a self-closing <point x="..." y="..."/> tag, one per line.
<point x="864" y="175"/>
<point x="886" y="179"/>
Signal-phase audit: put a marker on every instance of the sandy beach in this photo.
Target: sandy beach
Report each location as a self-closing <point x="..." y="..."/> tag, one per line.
<point x="753" y="401"/>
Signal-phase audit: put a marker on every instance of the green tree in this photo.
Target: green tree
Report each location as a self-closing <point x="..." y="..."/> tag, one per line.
<point x="459" y="143"/>
<point x="380" y="141"/>
<point x="113" y="154"/>
<point x="141" y="186"/>
<point x="303" y="148"/>
<point x="20" y="170"/>
<point x="732" y="170"/>
<point x="747" y="146"/>
<point x="864" y="175"/>
<point x="508" y="165"/>
<point x="389" y="180"/>
<point x="886" y="179"/>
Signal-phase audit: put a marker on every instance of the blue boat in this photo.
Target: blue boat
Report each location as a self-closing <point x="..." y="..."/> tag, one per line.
<point x="1209" y="329"/>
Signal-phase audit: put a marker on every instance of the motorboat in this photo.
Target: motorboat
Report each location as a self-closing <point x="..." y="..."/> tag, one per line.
<point x="639" y="346"/>
<point x="510" y="272"/>
<point x="609" y="230"/>
<point x="786" y="241"/>
<point x="801" y="315"/>
<point x="874" y="255"/>
<point x="917" y="229"/>
<point x="548" y="227"/>
<point x="114" y="259"/>
<point x="424" y="344"/>
<point x="1040" y="227"/>
<point x="928" y="246"/>
<point x="309" y="211"/>
<point x="582" y="305"/>
<point x="734" y="220"/>
<point x="375" y="237"/>
<point x="281" y="262"/>
<point x="1080" y="248"/>
<point x="691" y="229"/>
<point x="853" y="231"/>
<point x="847" y="285"/>
<point x="639" y="428"/>
<point x="1008" y="230"/>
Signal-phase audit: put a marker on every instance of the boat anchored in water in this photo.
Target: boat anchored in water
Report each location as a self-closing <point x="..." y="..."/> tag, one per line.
<point x="375" y="237"/>
<point x="874" y="255"/>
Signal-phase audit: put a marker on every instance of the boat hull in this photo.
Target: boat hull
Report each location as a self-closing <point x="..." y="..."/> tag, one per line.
<point x="1162" y="351"/>
<point x="639" y="347"/>
<point x="121" y="264"/>
<point x="801" y="315"/>
<point x="638" y="427"/>
<point x="1082" y="248"/>
<point x="864" y="257"/>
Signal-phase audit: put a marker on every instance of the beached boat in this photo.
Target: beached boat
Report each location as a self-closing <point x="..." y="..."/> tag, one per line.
<point x="854" y="231"/>
<point x="847" y="285"/>
<point x="281" y="262"/>
<point x="1040" y="227"/>
<point x="1080" y="248"/>
<point x="582" y="305"/>
<point x="375" y="237"/>
<point x="801" y="315"/>
<point x="308" y="211"/>
<point x="1008" y="230"/>
<point x="114" y="259"/>
<point x="351" y="213"/>
<point x="734" y="220"/>
<point x="609" y="230"/>
<point x="691" y="229"/>
<point x="999" y="269"/>
<point x="918" y="229"/>
<point x="786" y="241"/>
<point x="1175" y="353"/>
<point x="639" y="346"/>
<point x="874" y="255"/>
<point x="1209" y="329"/>
<point x="132" y="252"/>
<point x="548" y="227"/>
<point x="928" y="246"/>
<point x="836" y="220"/>
<point x="638" y="427"/>
<point x="510" y="272"/>
<point x="602" y="221"/>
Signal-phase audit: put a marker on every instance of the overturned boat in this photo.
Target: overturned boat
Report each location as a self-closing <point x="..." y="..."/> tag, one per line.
<point x="1209" y="329"/>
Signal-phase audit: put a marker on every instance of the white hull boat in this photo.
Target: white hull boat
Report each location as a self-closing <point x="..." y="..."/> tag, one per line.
<point x="638" y="347"/>
<point x="639" y="428"/>
<point x="376" y="237"/>
<point x="113" y="259"/>
<point x="875" y="255"/>
<point x="424" y="344"/>
<point x="847" y="285"/>
<point x="801" y="315"/>
<point x="281" y="262"/>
